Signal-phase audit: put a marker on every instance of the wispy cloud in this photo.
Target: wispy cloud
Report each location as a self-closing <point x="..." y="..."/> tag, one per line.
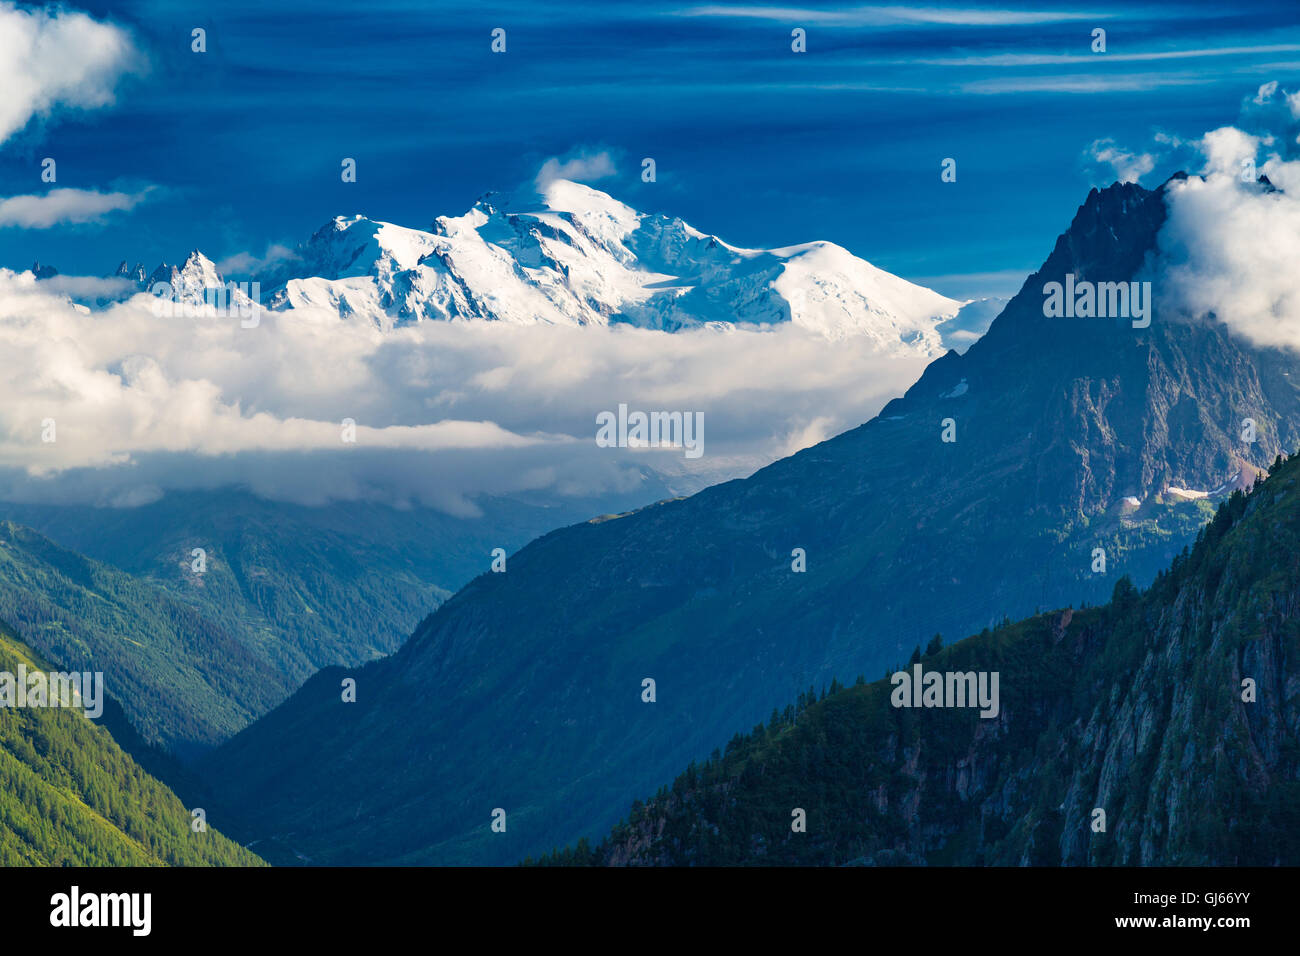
<point x="583" y="167"/>
<point x="1056" y="59"/>
<point x="1000" y="284"/>
<point x="64" y="206"/>
<point x="1265" y="93"/>
<point x="883" y="16"/>
<point x="1086" y="83"/>
<point x="1128" y="166"/>
<point x="246" y="263"/>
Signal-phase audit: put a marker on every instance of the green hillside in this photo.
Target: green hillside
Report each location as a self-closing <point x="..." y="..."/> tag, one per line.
<point x="184" y="680"/>
<point x="288" y="589"/>
<point x="69" y="796"/>
<point x="1135" y="708"/>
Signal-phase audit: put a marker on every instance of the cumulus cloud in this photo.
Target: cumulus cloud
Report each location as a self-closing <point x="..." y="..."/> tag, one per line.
<point x="1273" y="115"/>
<point x="1230" y="244"/>
<point x="62" y="206"/>
<point x="444" y="412"/>
<point x="54" y="58"/>
<point x="585" y="167"/>
<point x="1128" y="167"/>
<point x="1225" y="150"/>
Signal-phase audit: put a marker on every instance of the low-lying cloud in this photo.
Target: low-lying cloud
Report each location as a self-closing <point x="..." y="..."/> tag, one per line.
<point x="444" y="412"/>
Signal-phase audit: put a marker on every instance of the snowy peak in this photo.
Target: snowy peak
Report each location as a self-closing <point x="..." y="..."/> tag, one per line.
<point x="838" y="294"/>
<point x="163" y="274"/>
<point x="354" y="246"/>
<point x="599" y="215"/>
<point x="136" y="275"/>
<point x="569" y="254"/>
<point x="199" y="268"/>
<point x="354" y="265"/>
<point x="189" y="283"/>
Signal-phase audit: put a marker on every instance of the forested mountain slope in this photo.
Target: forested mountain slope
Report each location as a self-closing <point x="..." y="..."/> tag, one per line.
<point x="69" y="796"/>
<point x="1138" y="708"/>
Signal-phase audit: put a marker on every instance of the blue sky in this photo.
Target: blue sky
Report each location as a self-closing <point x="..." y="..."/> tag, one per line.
<point x="753" y="142"/>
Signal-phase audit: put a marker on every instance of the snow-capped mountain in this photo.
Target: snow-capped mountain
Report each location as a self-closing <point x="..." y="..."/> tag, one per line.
<point x="573" y="255"/>
<point x="136" y="275"/>
<point x="192" y="283"/>
<point x="188" y="281"/>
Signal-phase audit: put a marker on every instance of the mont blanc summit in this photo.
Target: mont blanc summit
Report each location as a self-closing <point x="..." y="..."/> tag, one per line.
<point x="573" y="255"/>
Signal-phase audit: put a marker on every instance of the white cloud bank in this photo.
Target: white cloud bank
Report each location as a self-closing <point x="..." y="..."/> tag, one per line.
<point x="53" y="58"/>
<point x="444" y="411"/>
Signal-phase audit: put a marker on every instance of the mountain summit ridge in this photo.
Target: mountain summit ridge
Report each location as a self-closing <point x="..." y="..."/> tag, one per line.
<point x="571" y="255"/>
